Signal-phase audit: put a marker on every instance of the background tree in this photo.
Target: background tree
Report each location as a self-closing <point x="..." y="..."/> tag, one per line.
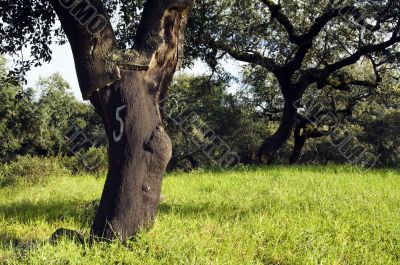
<point x="60" y="111"/>
<point x="301" y="43"/>
<point x="35" y="121"/>
<point x="19" y="123"/>
<point x="336" y="103"/>
<point x="206" y="98"/>
<point x="219" y="113"/>
<point x="379" y="117"/>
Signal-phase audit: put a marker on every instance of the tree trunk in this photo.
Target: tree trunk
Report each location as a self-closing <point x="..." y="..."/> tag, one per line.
<point x="139" y="151"/>
<point x="125" y="88"/>
<point x="193" y="162"/>
<point x="272" y="144"/>
<point x="299" y="141"/>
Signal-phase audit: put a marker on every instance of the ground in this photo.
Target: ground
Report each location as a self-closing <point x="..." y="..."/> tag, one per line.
<point x="265" y="215"/>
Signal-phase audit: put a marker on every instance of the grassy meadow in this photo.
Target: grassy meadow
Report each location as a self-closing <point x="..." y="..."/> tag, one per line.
<point x="264" y="215"/>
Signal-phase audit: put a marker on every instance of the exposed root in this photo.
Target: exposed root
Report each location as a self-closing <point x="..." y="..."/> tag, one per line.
<point x="71" y="234"/>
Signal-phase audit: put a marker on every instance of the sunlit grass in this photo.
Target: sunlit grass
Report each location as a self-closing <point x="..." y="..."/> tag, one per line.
<point x="268" y="215"/>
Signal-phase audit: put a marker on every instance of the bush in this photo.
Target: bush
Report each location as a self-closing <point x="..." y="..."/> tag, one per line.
<point x="30" y="169"/>
<point x="93" y="160"/>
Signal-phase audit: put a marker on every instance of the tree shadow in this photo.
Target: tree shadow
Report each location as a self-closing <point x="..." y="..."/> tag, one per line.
<point x="13" y="242"/>
<point x="26" y="211"/>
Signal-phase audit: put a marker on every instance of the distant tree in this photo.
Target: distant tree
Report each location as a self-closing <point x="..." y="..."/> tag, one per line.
<point x="61" y="112"/>
<point x="33" y="123"/>
<point x="201" y="113"/>
<point x="366" y="114"/>
<point x="19" y="123"/>
<point x="329" y="107"/>
<point x="382" y="135"/>
<point x="300" y="43"/>
<point x="224" y="111"/>
<point x="379" y="116"/>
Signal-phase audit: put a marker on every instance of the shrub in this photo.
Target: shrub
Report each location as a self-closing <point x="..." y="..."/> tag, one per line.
<point x="30" y="169"/>
<point x="93" y="160"/>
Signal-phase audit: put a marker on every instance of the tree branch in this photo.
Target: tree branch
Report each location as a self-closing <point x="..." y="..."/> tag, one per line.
<point x="320" y="76"/>
<point x="97" y="57"/>
<point x="364" y="50"/>
<point x="248" y="57"/>
<point x="305" y="41"/>
<point x="92" y="40"/>
<point x="283" y="20"/>
<point x="149" y="34"/>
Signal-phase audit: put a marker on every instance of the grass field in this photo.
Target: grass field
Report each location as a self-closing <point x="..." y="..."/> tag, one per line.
<point x="269" y="215"/>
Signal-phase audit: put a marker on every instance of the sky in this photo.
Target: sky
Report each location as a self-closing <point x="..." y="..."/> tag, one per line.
<point x="63" y="63"/>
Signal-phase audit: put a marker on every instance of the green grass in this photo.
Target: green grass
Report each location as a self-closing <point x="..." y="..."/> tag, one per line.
<point x="270" y="215"/>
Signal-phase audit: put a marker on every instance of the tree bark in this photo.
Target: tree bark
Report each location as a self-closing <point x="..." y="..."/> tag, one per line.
<point x="272" y="144"/>
<point x="125" y="87"/>
<point x="299" y="141"/>
<point x="139" y="151"/>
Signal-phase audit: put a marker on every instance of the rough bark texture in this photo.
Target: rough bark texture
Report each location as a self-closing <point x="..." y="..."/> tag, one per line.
<point x="92" y="52"/>
<point x="139" y="151"/>
<point x="125" y="88"/>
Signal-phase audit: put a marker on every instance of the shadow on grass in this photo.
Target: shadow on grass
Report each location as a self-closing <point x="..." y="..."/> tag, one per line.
<point x="28" y="212"/>
<point x="19" y="246"/>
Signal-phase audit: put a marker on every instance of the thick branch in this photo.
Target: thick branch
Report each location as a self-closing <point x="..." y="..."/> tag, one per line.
<point x="311" y="76"/>
<point x="149" y="35"/>
<point x="283" y="20"/>
<point x="364" y="50"/>
<point x="345" y="85"/>
<point x="97" y="59"/>
<point x="92" y="42"/>
<point x="320" y="22"/>
<point x="168" y="33"/>
<point x="248" y="57"/>
<point x="305" y="41"/>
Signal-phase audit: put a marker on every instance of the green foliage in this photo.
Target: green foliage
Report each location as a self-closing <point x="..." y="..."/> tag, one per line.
<point x="30" y="170"/>
<point x="218" y="114"/>
<point x="31" y="25"/>
<point x="59" y="111"/>
<point x="244" y="118"/>
<point x="93" y="160"/>
<point x="19" y="123"/>
<point x="289" y="48"/>
<point x="372" y="122"/>
<point x="46" y="124"/>
<point x="270" y="215"/>
<point x="34" y="123"/>
<point x="383" y="134"/>
<point x="248" y="26"/>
